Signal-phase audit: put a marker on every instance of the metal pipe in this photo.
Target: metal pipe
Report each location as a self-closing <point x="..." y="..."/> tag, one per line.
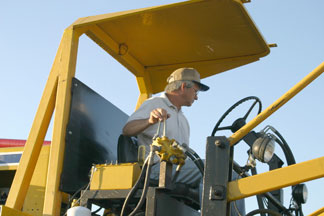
<point x="276" y="105"/>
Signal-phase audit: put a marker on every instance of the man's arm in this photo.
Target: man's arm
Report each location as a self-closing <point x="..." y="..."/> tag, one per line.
<point x="135" y="127"/>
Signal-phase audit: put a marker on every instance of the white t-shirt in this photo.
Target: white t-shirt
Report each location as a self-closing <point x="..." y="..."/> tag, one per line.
<point x="177" y="126"/>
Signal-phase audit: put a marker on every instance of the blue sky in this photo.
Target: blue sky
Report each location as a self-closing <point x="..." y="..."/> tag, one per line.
<point x="31" y="32"/>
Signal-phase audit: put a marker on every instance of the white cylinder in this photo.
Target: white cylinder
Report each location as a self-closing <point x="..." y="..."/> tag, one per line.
<point x="79" y="211"/>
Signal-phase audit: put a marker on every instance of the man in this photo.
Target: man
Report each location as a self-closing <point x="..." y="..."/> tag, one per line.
<point x="182" y="90"/>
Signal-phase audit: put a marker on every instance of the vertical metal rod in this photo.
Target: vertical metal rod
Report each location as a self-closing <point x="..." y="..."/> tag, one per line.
<point x="157" y="131"/>
<point x="164" y="127"/>
<point x="276" y="105"/>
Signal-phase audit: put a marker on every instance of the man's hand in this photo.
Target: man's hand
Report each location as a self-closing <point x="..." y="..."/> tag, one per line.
<point x="135" y="127"/>
<point x="158" y="114"/>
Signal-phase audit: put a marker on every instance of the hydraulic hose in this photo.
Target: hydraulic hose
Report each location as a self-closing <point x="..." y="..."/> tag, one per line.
<point x="193" y="156"/>
<point x="285" y="147"/>
<point x="283" y="144"/>
<point x="135" y="187"/>
<point x="198" y="162"/>
<point x="146" y="184"/>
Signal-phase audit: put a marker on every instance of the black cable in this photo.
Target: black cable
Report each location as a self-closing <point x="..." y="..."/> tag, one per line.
<point x="300" y="210"/>
<point x="285" y="147"/>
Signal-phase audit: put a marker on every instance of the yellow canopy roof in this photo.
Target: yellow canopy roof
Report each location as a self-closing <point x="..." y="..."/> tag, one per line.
<point x="210" y="35"/>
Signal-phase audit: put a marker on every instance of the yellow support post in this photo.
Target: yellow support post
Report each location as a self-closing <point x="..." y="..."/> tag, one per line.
<point x="145" y="88"/>
<point x="65" y="71"/>
<point x="276" y="105"/>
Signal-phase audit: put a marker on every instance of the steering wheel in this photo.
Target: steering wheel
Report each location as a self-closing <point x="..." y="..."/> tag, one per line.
<point x="240" y="122"/>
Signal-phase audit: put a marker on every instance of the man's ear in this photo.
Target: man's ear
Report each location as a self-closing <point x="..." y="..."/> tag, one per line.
<point x="183" y="86"/>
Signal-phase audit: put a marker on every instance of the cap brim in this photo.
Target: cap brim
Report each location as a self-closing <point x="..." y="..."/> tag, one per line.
<point x="202" y="87"/>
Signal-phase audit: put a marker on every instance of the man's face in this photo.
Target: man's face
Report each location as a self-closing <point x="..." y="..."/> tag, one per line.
<point x="190" y="95"/>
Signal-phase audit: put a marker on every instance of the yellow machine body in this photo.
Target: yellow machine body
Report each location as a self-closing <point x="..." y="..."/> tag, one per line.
<point x="114" y="176"/>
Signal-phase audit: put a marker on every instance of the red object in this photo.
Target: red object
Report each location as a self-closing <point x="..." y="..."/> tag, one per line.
<point x="4" y="143"/>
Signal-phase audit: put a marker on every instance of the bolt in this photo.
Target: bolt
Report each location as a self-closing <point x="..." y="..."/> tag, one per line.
<point x="219" y="144"/>
<point x="218" y="193"/>
<point x="70" y="132"/>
